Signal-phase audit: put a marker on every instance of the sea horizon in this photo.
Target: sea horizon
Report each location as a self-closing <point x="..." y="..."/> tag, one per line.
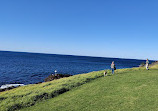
<point x="73" y="55"/>
<point x="30" y="68"/>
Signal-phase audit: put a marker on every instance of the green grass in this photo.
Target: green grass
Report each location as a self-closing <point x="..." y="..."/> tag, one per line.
<point x="129" y="89"/>
<point x="29" y="95"/>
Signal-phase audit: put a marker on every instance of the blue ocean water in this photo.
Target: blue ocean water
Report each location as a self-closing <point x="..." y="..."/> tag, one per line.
<point x="29" y="68"/>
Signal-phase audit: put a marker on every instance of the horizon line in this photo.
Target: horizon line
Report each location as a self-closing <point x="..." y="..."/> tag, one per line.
<point x="72" y="55"/>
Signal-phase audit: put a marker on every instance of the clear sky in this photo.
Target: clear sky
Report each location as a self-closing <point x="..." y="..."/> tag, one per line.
<point x="106" y="28"/>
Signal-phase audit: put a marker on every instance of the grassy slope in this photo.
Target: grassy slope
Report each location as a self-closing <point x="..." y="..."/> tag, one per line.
<point x="128" y="90"/>
<point x="29" y="95"/>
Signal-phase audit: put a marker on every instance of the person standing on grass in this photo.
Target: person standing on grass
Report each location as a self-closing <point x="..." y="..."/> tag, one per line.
<point x="112" y="67"/>
<point x="147" y="64"/>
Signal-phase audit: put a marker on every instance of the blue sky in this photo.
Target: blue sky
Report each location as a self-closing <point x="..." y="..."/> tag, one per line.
<point x="106" y="28"/>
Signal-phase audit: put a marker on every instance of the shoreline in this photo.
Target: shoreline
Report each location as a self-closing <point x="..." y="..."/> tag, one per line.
<point x="33" y="93"/>
<point x="52" y="77"/>
<point x="29" y="68"/>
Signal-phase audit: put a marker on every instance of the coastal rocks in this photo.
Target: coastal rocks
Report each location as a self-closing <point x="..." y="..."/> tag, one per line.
<point x="56" y="76"/>
<point x="142" y="64"/>
<point x="9" y="86"/>
<point x="49" y="78"/>
<point x="152" y="64"/>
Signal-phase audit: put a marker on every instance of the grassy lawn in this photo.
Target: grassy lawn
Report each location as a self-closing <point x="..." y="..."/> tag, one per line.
<point x="128" y="90"/>
<point x="29" y="95"/>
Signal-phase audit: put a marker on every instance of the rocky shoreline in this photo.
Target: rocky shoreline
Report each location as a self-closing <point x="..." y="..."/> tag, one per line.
<point x="55" y="76"/>
<point x="51" y="77"/>
<point x="152" y="64"/>
<point x="9" y="87"/>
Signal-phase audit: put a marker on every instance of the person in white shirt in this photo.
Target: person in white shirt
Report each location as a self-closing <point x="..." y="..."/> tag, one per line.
<point x="147" y="64"/>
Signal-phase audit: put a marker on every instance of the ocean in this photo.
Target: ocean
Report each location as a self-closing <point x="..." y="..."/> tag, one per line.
<point x="30" y="68"/>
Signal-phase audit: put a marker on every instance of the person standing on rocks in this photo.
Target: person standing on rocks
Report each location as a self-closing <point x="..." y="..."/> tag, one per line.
<point x="147" y="64"/>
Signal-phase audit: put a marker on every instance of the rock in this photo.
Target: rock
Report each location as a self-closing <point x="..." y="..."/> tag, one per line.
<point x="142" y="64"/>
<point x="154" y="63"/>
<point x="56" y="76"/>
<point x="9" y="86"/>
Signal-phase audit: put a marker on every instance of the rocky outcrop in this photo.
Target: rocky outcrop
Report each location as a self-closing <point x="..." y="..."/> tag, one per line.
<point x="9" y="86"/>
<point x="56" y="76"/>
<point x="49" y="78"/>
<point x="154" y="63"/>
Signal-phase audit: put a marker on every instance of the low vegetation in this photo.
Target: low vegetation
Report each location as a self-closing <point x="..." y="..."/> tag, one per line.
<point x="114" y="92"/>
<point x="133" y="89"/>
<point x="26" y="96"/>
